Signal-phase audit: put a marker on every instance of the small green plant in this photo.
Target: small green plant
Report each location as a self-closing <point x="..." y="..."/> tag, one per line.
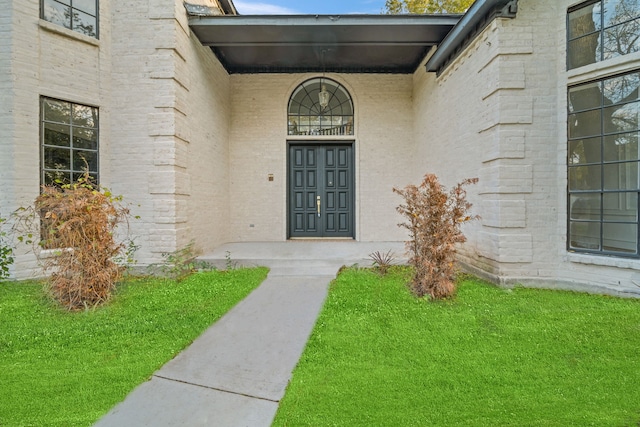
<point x="229" y="264"/>
<point x="382" y="261"/>
<point x="6" y="252"/>
<point x="126" y="257"/>
<point x="434" y="218"/>
<point x="183" y="262"/>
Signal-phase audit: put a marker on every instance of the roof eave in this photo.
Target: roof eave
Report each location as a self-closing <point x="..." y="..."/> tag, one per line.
<point x="480" y="14"/>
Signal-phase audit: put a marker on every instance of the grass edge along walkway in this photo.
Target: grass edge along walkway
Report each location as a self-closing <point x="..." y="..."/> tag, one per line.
<point x="68" y="369"/>
<point x="491" y="356"/>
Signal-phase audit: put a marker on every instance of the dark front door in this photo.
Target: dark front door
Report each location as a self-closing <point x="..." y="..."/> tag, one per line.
<point x="321" y="190"/>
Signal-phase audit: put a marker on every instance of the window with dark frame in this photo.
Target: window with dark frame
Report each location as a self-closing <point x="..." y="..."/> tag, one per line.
<point x="308" y="117"/>
<point x="603" y="165"/>
<point x="602" y="29"/>
<point x="77" y="15"/>
<point x="69" y="142"/>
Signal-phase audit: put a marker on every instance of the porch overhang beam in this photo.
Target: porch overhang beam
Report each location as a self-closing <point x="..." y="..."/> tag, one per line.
<point x="296" y="43"/>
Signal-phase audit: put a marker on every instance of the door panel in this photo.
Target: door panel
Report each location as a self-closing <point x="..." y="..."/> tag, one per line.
<point x="324" y="174"/>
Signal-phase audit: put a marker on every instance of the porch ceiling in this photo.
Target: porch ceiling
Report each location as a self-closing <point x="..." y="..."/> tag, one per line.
<point x="332" y="43"/>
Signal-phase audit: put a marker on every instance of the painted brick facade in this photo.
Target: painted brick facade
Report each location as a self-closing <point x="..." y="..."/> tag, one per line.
<point x="508" y="89"/>
<point x="173" y="121"/>
<point x="42" y="59"/>
<point x="383" y="145"/>
<point x="191" y="147"/>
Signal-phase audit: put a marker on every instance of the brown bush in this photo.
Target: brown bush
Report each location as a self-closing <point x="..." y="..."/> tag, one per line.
<point x="434" y="220"/>
<point x="78" y="222"/>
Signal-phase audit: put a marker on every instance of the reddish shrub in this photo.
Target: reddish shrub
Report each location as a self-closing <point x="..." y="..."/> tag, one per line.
<point x="434" y="218"/>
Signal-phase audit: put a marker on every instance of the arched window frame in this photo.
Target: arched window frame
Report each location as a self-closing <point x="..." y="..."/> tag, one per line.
<point x="307" y="117"/>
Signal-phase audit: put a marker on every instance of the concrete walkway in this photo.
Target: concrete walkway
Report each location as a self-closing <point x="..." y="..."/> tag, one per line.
<point x="236" y="373"/>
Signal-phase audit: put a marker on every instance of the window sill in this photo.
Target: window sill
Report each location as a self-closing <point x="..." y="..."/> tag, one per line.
<point x="610" y="67"/>
<point x="605" y="261"/>
<point x="65" y="32"/>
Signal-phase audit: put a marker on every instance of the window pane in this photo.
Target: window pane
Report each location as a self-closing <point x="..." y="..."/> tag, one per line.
<point x="584" y="20"/>
<point x="585" y="178"/>
<point x="584" y="151"/>
<point x="585" y="124"/>
<point x="585" y="97"/>
<point x="308" y="117"/>
<point x="84" y="24"/>
<point x="57" y="111"/>
<point x="64" y="146"/>
<point x="621" y="176"/>
<point x="57" y="158"/>
<point x="55" y="134"/>
<point x="620" y="207"/>
<point x="584" y="235"/>
<point x="84" y="116"/>
<point x="87" y="6"/>
<point x="93" y="178"/>
<point x="57" y="13"/>
<point x="85" y="138"/>
<point x="583" y="51"/>
<point x="618" y="11"/>
<point x="620" y="237"/>
<point x="621" y="39"/>
<point x="621" y="89"/>
<point x="621" y="118"/>
<point x="623" y="146"/>
<point x="585" y="206"/>
<point x="56" y="177"/>
<point x="79" y="158"/>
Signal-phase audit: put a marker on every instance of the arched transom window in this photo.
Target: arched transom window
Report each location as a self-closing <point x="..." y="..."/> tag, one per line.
<point x="320" y="106"/>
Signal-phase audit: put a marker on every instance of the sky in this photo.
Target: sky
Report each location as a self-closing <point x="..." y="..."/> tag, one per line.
<point x="293" y="7"/>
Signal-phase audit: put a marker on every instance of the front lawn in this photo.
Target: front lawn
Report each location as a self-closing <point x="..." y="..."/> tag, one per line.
<point x="68" y="369"/>
<point x="491" y="357"/>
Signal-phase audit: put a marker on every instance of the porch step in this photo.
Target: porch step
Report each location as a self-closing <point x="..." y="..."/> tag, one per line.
<point x="301" y="258"/>
<point x="279" y="267"/>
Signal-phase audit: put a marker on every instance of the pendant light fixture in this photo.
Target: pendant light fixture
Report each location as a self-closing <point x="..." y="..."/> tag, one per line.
<point x="323" y="96"/>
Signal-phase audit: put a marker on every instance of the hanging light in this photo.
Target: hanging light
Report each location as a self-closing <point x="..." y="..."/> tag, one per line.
<point x="323" y="97"/>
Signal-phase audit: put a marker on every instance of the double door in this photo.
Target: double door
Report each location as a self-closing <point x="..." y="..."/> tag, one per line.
<point x="321" y="190"/>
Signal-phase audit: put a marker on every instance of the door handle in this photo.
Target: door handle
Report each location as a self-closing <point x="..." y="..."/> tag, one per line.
<point x="318" y="205"/>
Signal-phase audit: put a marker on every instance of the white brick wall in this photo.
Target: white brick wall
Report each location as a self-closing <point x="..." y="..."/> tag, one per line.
<point x="383" y="147"/>
<point x="191" y="147"/>
<point x="487" y="122"/>
<point x="40" y="59"/>
<point x="499" y="112"/>
<point x="173" y="116"/>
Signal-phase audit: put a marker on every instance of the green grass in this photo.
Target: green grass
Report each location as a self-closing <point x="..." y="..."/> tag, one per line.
<point x="68" y="369"/>
<point x="490" y="357"/>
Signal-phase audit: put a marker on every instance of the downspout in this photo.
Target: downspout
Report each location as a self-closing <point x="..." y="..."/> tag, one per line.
<point x="480" y="12"/>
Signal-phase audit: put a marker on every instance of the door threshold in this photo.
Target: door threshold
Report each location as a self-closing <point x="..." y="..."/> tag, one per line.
<point x="323" y="239"/>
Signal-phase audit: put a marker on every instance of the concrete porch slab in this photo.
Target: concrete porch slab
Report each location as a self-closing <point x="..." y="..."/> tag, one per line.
<point x="302" y="257"/>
